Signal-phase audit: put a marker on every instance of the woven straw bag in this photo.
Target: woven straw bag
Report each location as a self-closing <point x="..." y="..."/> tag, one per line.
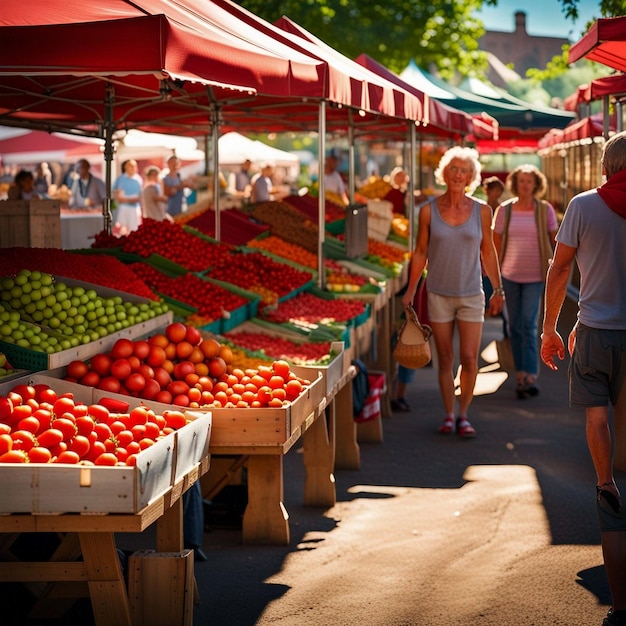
<point x="412" y="349"/>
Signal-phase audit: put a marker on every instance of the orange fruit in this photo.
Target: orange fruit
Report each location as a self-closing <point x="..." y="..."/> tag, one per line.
<point x="183" y="350"/>
<point x="196" y="356"/>
<point x="217" y="366"/>
<point x="281" y="368"/>
<point x="226" y="353"/>
<point x="158" y="340"/>
<point x="276" y="382"/>
<point x="210" y="348"/>
<point x="293" y="389"/>
<point x="202" y="369"/>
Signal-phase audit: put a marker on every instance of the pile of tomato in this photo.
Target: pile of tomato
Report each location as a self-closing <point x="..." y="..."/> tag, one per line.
<point x="37" y="425"/>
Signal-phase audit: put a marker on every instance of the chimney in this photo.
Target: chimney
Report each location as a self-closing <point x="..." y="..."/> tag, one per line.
<point x="520" y="21"/>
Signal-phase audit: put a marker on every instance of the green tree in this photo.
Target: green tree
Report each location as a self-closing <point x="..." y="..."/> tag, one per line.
<point x="439" y="32"/>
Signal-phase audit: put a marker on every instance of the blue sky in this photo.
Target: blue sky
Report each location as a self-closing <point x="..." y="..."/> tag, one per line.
<point x="543" y="17"/>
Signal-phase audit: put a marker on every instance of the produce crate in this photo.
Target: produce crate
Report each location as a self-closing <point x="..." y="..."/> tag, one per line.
<point x="50" y="488"/>
<point x="252" y="427"/>
<point x="34" y="361"/>
<point x="331" y="373"/>
<point x="30" y="224"/>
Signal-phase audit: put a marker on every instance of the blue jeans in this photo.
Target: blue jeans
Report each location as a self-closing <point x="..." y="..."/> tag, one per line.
<point x="522" y="308"/>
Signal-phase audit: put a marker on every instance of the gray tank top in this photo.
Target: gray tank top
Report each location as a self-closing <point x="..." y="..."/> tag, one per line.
<point x="454" y="255"/>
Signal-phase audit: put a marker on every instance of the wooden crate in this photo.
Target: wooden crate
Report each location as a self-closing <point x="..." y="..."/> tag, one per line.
<point x="30" y="224"/>
<point x="49" y="488"/>
<point x="161" y="588"/>
<point x="331" y="373"/>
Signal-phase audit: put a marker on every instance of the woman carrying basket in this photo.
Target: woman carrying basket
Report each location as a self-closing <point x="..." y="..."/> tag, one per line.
<point x="454" y="236"/>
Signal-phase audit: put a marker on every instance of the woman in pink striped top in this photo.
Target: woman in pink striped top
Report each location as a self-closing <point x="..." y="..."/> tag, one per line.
<point x="524" y="235"/>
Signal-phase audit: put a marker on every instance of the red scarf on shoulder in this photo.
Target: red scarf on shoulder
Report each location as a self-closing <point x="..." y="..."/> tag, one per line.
<point x="613" y="192"/>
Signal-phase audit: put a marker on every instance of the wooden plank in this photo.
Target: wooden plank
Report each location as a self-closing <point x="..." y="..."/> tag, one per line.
<point x="265" y="520"/>
<point x="107" y="588"/>
<point x="319" y="459"/>
<point x="42" y="571"/>
<point x="347" y="451"/>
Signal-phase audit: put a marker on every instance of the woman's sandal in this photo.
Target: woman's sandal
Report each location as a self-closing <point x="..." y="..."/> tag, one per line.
<point x="611" y="499"/>
<point x="447" y="427"/>
<point x="400" y="404"/>
<point x="464" y="428"/>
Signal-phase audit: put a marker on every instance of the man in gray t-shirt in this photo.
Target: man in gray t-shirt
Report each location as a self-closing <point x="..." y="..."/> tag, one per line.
<point x="593" y="233"/>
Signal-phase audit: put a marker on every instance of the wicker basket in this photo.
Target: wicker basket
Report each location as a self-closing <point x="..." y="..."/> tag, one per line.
<point x="412" y="349"/>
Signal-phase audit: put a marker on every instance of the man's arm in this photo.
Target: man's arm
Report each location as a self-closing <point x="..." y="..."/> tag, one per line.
<point x="556" y="287"/>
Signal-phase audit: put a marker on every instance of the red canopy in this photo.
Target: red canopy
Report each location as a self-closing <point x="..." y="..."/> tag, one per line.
<point x="155" y="62"/>
<point x="604" y="42"/>
<point x="439" y="118"/>
<point x="587" y="128"/>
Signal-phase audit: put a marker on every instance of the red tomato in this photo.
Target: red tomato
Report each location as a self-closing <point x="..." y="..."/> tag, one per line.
<point x="135" y="382"/>
<point x="139" y="431"/>
<point x="38" y="454"/>
<point x="138" y="415"/>
<point x="121" y="454"/>
<point x="27" y="392"/>
<point x="152" y="387"/>
<point x="176" y="331"/>
<point x="19" y="412"/>
<point x="181" y="400"/>
<point x="131" y="460"/>
<point x="44" y="417"/>
<point x="90" y="379"/>
<point x="124" y="437"/>
<point x="50" y="438"/>
<point x="141" y="349"/>
<point x="175" y="419"/>
<point x="6" y="443"/>
<point x="77" y="369"/>
<point x="103" y="431"/>
<point x="80" y="444"/>
<point x="66" y="426"/>
<point x="152" y="430"/>
<point x="165" y="397"/>
<point x="183" y="368"/>
<point x="146" y="443"/>
<point x="99" y="412"/>
<point x="193" y="336"/>
<point x="68" y="456"/>
<point x="14" y="456"/>
<point x="85" y="424"/>
<point x="178" y="387"/>
<point x="30" y="423"/>
<point x="110" y="384"/>
<point x="122" y="348"/>
<point x="133" y="447"/>
<point x="117" y="426"/>
<point x="97" y="448"/>
<point x="63" y="405"/>
<point x="6" y="407"/>
<point x="22" y="440"/>
<point x="121" y="369"/>
<point x="106" y="458"/>
<point x="44" y="393"/>
<point x="101" y="363"/>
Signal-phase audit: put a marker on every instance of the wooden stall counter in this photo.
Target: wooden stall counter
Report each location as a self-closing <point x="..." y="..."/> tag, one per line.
<point x="59" y="581"/>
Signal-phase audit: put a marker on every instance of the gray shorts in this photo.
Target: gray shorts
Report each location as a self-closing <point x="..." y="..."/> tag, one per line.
<point x="449" y="308"/>
<point x="598" y="367"/>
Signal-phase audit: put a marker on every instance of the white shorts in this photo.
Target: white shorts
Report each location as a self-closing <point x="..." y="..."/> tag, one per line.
<point x="449" y="308"/>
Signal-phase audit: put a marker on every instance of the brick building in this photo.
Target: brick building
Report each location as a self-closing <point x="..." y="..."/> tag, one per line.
<point x="519" y="48"/>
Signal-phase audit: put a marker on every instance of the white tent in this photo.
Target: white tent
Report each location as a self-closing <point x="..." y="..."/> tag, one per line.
<point x="234" y="149"/>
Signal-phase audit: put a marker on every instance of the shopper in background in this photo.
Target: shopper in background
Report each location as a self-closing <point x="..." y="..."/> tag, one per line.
<point x="127" y="192"/>
<point x="174" y="187"/>
<point x="524" y="234"/>
<point x="454" y="235"/>
<point x="239" y="183"/>
<point x="153" y="200"/>
<point x="333" y="181"/>
<point x="88" y="191"/>
<point x="593" y="233"/>
<point x="493" y="188"/>
<point x="263" y="185"/>
<point x="42" y="179"/>
<point x="23" y="188"/>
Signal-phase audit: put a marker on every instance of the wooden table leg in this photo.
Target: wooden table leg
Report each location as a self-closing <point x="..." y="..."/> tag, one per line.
<point x="319" y="459"/>
<point x="347" y="451"/>
<point x="107" y="588"/>
<point x="265" y="519"/>
<point x="169" y="529"/>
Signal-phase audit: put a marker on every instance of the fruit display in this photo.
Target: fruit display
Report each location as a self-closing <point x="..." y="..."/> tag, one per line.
<point x="39" y="425"/>
<point x="309" y="309"/>
<point x="309" y="206"/>
<point x="76" y="313"/>
<point x="305" y="353"/>
<point x="375" y="188"/>
<point x="400" y="226"/>
<point x="260" y="274"/>
<point x="170" y="240"/>
<point x="99" y="269"/>
<point x="288" y="223"/>
<point x="387" y="255"/>
<point x="210" y="300"/>
<point x="235" y="226"/>
<point x="181" y="367"/>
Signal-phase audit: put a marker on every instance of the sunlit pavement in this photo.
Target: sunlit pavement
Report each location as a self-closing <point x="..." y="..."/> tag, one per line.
<point x="433" y="529"/>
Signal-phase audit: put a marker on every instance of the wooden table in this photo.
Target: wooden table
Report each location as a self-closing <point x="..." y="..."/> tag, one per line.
<point x="60" y="580"/>
<point x="328" y="434"/>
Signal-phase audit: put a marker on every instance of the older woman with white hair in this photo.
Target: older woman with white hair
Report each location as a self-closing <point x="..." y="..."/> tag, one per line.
<point x="454" y="236"/>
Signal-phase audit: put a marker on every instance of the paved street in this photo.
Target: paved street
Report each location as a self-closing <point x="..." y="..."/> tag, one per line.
<point x="433" y="530"/>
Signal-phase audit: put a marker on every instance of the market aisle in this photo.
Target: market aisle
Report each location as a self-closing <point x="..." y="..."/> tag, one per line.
<point x="433" y="530"/>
